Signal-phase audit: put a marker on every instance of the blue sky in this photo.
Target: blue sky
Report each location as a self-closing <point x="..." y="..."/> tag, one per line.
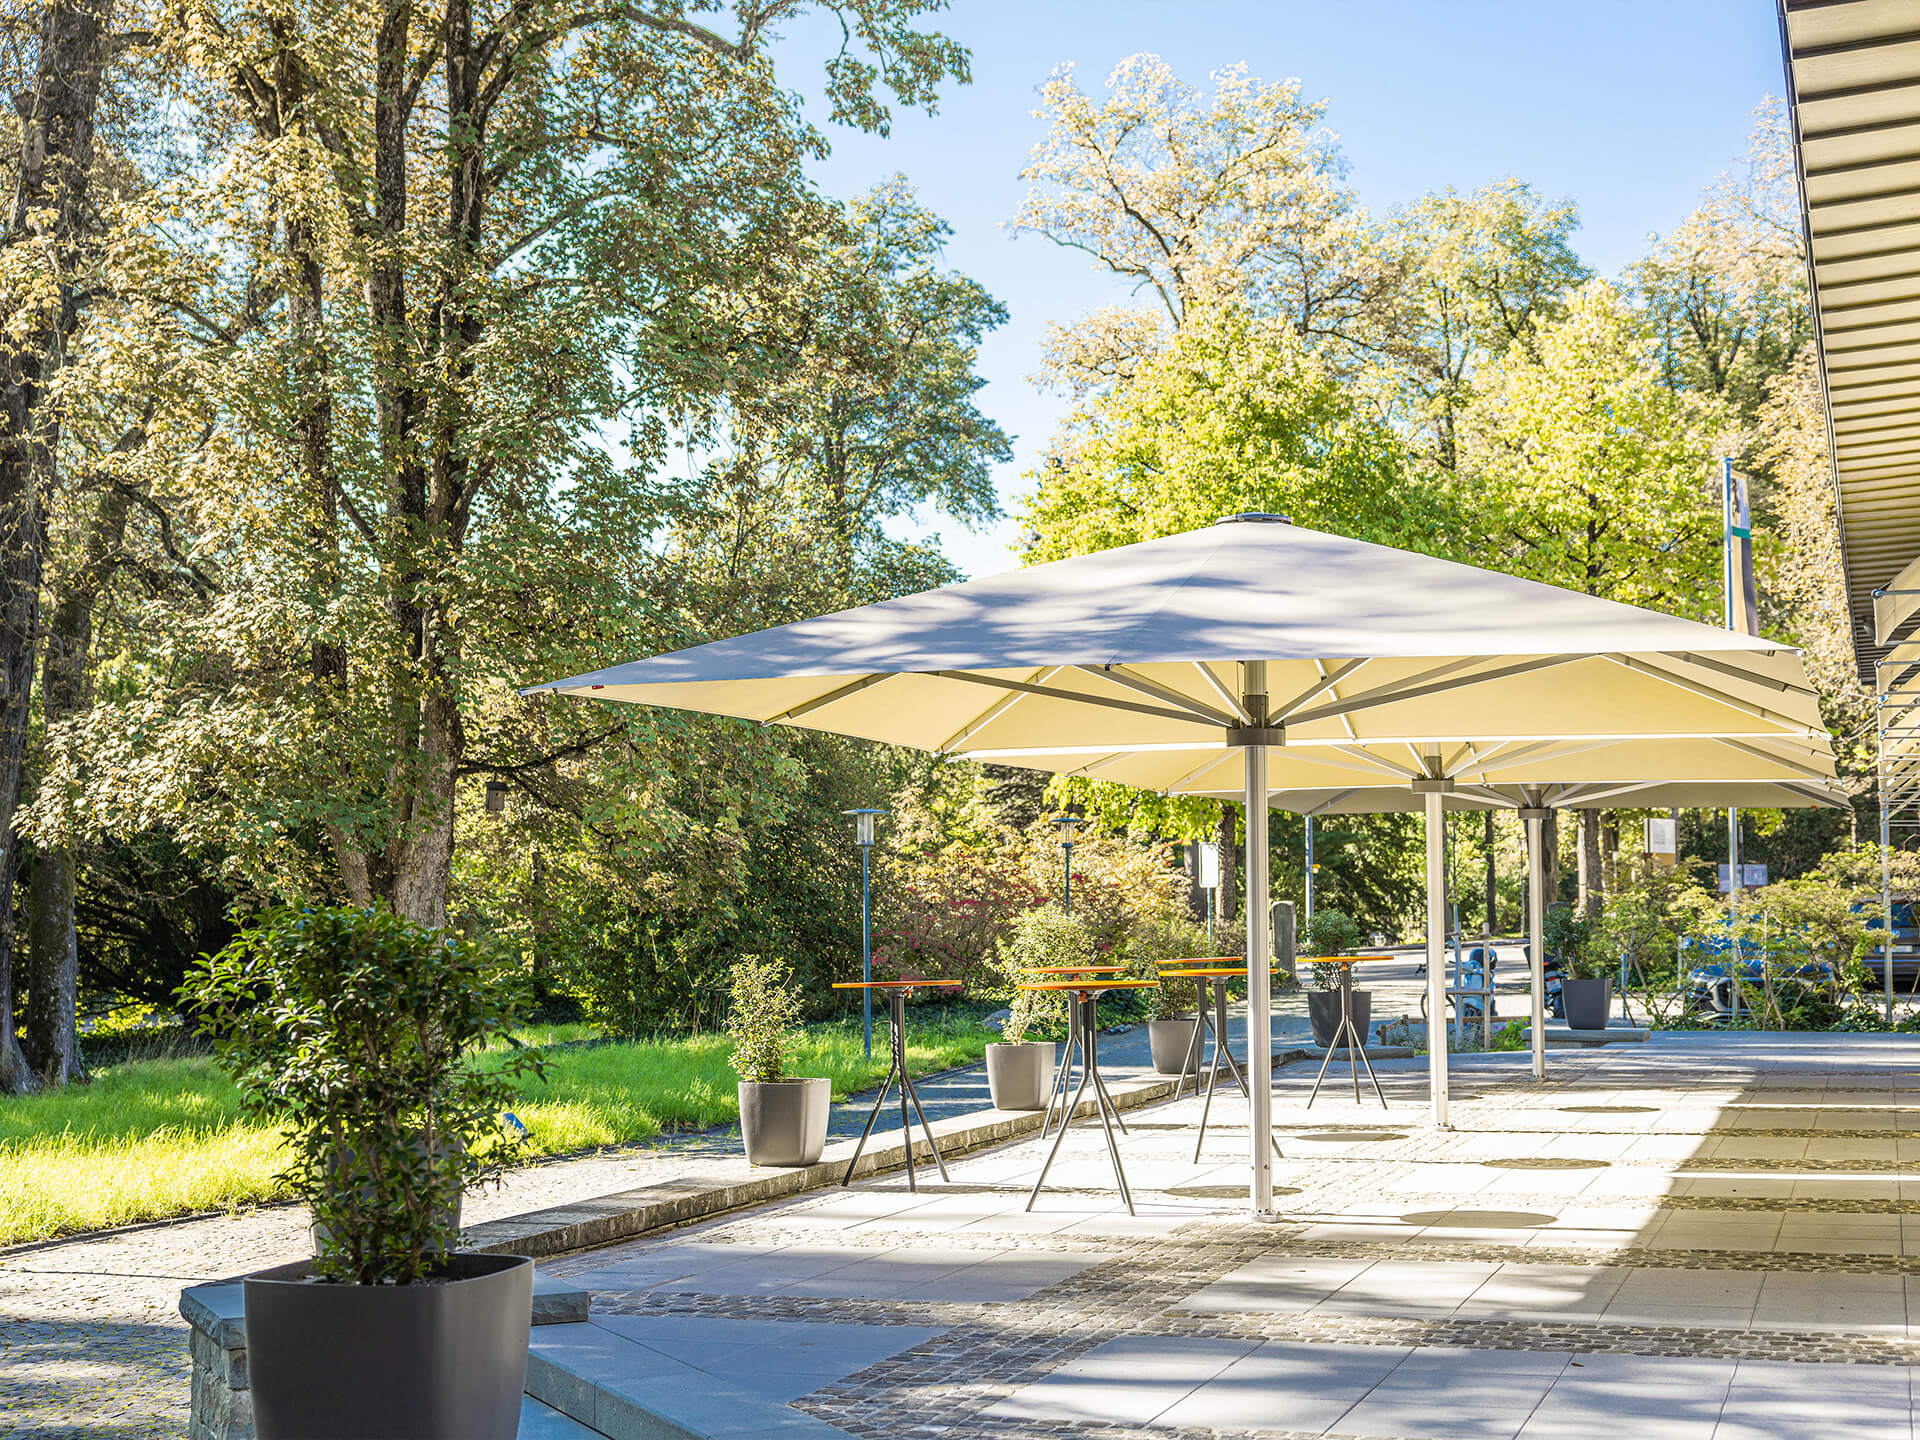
<point x="1627" y="107"/>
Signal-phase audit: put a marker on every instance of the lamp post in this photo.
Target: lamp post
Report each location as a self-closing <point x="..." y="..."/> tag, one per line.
<point x="1311" y="868"/>
<point x="863" y="827"/>
<point x="1067" y="825"/>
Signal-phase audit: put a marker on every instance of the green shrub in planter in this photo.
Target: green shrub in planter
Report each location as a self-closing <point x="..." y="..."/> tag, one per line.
<point x="360" y="1033"/>
<point x="357" y="1031"/>
<point x="763" y="1018"/>
<point x="782" y="1121"/>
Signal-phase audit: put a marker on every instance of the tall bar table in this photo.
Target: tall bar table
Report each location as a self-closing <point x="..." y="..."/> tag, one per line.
<point x="1084" y="995"/>
<point x="896" y="994"/>
<point x="1057" y="1090"/>
<point x="1219" y="974"/>
<point x="1356" y="1042"/>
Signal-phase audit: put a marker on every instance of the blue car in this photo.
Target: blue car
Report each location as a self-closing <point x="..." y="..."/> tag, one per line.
<point x="1710" y="988"/>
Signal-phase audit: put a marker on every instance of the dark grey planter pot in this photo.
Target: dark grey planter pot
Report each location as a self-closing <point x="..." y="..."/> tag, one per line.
<point x="784" y="1122"/>
<point x="1019" y="1074"/>
<point x="1173" y="1043"/>
<point x="440" y="1361"/>
<point x="1587" y="1003"/>
<point x="1323" y="1010"/>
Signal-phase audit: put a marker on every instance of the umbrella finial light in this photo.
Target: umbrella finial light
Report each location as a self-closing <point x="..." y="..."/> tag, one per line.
<point x="1255" y="517"/>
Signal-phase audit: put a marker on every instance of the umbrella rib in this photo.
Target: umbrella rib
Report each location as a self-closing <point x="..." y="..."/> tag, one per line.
<point x="1120" y="675"/>
<point x="1735" y="672"/>
<point x="1319" y="687"/>
<point x="1487" y="793"/>
<point x="1214" y="763"/>
<point x="1379" y="764"/>
<point x="807" y="707"/>
<point x="1331" y="801"/>
<point x="1073" y="696"/>
<point x="994" y="711"/>
<point x="1436" y="684"/>
<point x="1656" y="672"/>
<point x="1227" y="697"/>
<point x="1754" y="750"/>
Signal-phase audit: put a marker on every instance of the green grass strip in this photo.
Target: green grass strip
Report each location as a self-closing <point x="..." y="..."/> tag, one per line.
<point x="149" y="1139"/>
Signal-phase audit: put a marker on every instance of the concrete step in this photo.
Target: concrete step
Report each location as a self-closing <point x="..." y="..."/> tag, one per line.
<point x="1614" y="1034"/>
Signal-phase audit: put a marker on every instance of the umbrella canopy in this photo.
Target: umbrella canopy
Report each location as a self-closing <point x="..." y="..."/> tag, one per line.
<point x="1369" y="651"/>
<point x="1274" y="657"/>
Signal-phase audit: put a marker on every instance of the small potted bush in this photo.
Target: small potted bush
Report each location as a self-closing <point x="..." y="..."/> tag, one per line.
<point x="1173" y="1034"/>
<point x="783" y="1121"/>
<point x="1586" y="980"/>
<point x="362" y="1035"/>
<point x="1333" y="933"/>
<point x="1019" y="1070"/>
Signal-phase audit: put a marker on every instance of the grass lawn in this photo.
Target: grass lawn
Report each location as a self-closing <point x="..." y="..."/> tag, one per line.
<point x="153" y="1138"/>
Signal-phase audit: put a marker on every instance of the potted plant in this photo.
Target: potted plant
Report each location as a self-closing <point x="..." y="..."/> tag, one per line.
<point x="782" y="1121"/>
<point x="1586" y="981"/>
<point x="1332" y="933"/>
<point x="361" y="1034"/>
<point x="1019" y="1070"/>
<point x="1173" y="1034"/>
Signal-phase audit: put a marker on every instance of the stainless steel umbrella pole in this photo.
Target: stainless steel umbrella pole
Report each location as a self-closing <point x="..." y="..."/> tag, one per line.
<point x="1535" y="817"/>
<point x="1253" y="738"/>
<point x="1433" y="789"/>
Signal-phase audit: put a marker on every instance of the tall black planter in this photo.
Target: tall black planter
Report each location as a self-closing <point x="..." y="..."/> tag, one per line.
<point x="1587" y="1003"/>
<point x="1323" y="1009"/>
<point x="439" y="1361"/>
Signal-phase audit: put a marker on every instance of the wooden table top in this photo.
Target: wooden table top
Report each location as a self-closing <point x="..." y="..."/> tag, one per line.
<point x="1239" y="960"/>
<point x="1086" y="984"/>
<point x="1222" y="973"/>
<point x="1339" y="959"/>
<point x="1071" y="969"/>
<point x="890" y="984"/>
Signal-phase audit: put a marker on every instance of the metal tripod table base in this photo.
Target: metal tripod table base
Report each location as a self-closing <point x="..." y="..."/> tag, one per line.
<point x="1356" y="1046"/>
<point x="1083" y="1025"/>
<point x="897" y="1074"/>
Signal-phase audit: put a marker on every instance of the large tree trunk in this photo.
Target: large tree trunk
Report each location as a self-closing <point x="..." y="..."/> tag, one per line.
<point x="47" y="218"/>
<point x="1550" y="856"/>
<point x="1229" y="900"/>
<point x="1493" y="878"/>
<point x="1590" y="882"/>
<point x="53" y="993"/>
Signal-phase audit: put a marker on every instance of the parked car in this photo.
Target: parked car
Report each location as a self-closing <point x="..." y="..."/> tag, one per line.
<point x="1906" y="942"/>
<point x="1710" y="983"/>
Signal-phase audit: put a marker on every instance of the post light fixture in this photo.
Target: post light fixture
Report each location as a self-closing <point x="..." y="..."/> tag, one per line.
<point x="864" y="824"/>
<point x="496" y="797"/>
<point x="1068" y="824"/>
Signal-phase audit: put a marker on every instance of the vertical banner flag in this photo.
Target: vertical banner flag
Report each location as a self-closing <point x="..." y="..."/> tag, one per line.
<point x="1743" y="597"/>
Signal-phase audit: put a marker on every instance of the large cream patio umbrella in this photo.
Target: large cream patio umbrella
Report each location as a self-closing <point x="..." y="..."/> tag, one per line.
<point x="1291" y="658"/>
<point x="1531" y="803"/>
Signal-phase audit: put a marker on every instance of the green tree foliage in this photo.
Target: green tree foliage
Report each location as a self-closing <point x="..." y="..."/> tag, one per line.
<point x="1234" y="414"/>
<point x="1585" y="471"/>
<point x="1200" y="201"/>
<point x="404" y="492"/>
<point x="1475" y="274"/>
